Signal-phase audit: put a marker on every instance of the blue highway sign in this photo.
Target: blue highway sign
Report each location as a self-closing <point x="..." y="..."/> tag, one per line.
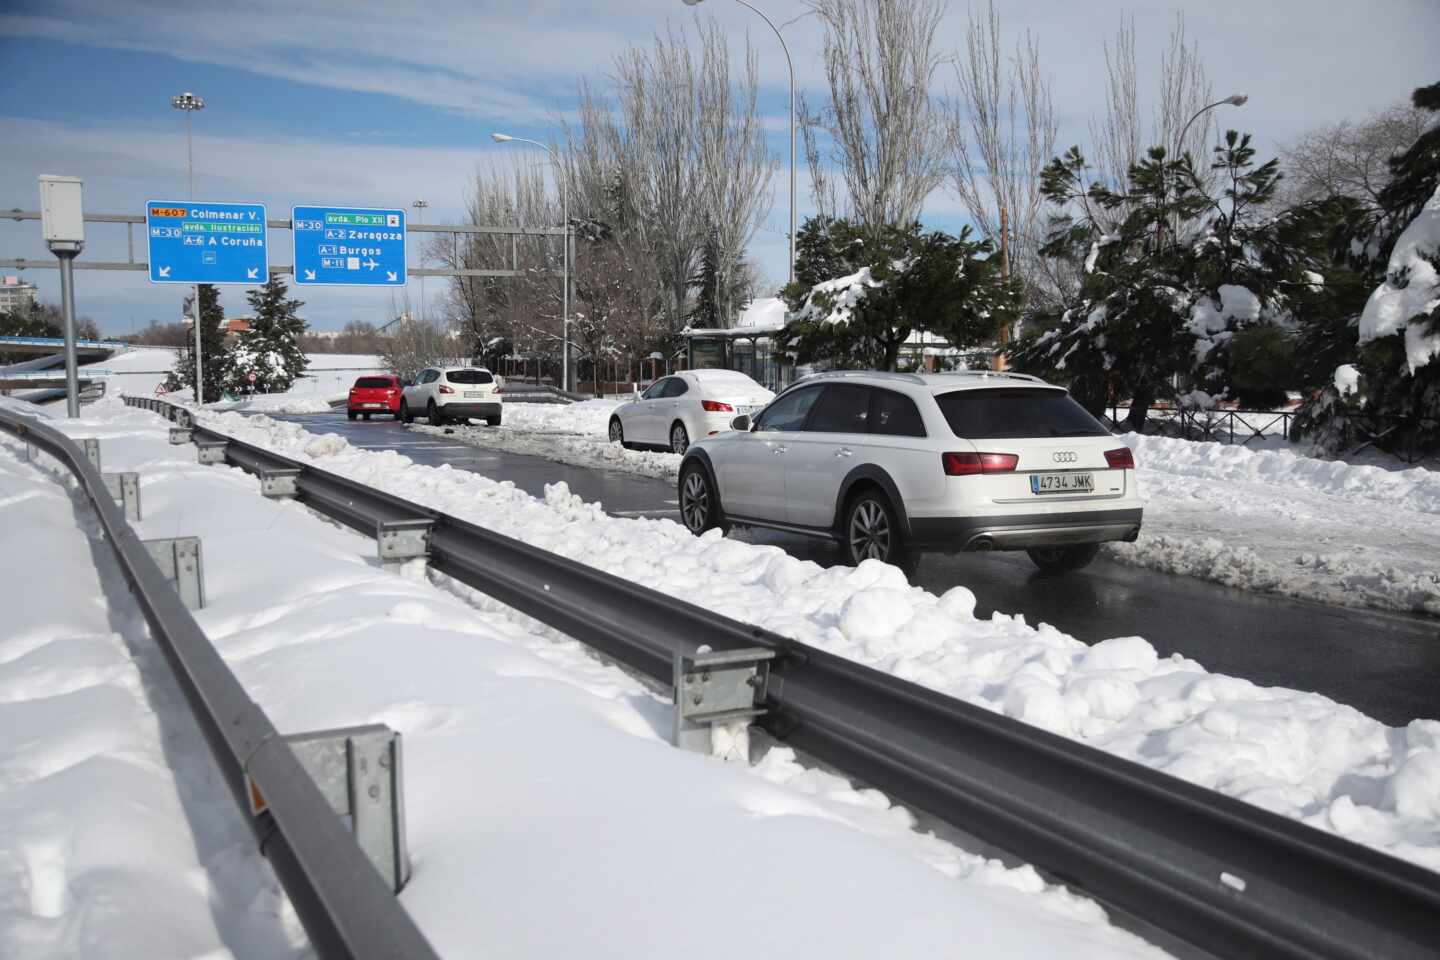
<point x="199" y="241"/>
<point x="349" y="246"/>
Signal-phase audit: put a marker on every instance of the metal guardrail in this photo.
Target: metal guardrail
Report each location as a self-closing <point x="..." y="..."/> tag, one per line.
<point x="345" y="907"/>
<point x="1221" y="875"/>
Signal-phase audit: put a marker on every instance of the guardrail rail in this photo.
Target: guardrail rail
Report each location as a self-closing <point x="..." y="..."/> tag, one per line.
<point x="345" y="907"/>
<point x="1217" y="874"/>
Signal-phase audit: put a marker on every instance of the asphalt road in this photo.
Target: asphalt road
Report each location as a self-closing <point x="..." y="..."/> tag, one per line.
<point x="1387" y="665"/>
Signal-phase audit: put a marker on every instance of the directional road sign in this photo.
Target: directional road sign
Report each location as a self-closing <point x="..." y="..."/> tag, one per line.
<point x="199" y="241"/>
<point x="349" y="246"/>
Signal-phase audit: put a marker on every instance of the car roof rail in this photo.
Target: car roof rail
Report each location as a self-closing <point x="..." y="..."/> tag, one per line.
<point x="881" y="374"/>
<point x="1007" y="374"/>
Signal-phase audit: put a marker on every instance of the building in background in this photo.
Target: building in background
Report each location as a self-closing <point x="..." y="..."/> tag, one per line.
<point x="17" y="296"/>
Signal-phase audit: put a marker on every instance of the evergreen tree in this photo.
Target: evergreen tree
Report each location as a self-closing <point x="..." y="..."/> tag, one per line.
<point x="859" y="294"/>
<point x="270" y="349"/>
<point x="1165" y="290"/>
<point x="213" y="356"/>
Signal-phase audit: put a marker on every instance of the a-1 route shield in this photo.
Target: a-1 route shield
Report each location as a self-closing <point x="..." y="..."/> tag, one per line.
<point x="204" y="241"/>
<point x="349" y="246"/>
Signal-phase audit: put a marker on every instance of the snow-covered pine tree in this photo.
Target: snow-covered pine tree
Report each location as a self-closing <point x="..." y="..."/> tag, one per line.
<point x="214" y="359"/>
<point x="270" y="349"/>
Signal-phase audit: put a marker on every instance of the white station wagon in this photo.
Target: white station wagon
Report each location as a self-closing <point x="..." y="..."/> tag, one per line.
<point x="884" y="461"/>
<point x="678" y="410"/>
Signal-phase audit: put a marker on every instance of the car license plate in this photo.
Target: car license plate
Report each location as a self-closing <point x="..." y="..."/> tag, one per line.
<point x="375" y="405"/>
<point x="1041" y="483"/>
<point x="472" y="394"/>
<point x="747" y="408"/>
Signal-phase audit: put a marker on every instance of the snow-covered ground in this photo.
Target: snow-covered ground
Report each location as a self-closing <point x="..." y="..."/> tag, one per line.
<point x="1268" y="519"/>
<point x="1299" y="754"/>
<point x="546" y="816"/>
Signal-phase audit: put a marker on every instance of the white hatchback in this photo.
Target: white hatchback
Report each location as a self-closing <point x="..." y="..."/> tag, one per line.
<point x="884" y="461"/>
<point x="441" y="394"/>
<point x="688" y="406"/>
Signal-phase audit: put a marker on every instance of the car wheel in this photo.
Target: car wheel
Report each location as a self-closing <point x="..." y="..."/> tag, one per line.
<point x="492" y="421"/>
<point x="405" y="416"/>
<point x="432" y="413"/>
<point x="699" y="502"/>
<point x="617" y="431"/>
<point x="679" y="438"/>
<point x="365" y="416"/>
<point x="350" y="414"/>
<point x="869" y="530"/>
<point x="1064" y="559"/>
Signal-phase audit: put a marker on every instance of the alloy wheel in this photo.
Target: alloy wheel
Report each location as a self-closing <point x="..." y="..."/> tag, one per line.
<point x="695" y="502"/>
<point x="679" y="439"/>
<point x="869" y="531"/>
<point x="617" y="432"/>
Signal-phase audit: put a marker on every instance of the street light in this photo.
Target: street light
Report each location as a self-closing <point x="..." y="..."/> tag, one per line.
<point x="791" y="64"/>
<point x="1234" y="100"/>
<point x="420" y="206"/>
<point x="188" y="103"/>
<point x="565" y="258"/>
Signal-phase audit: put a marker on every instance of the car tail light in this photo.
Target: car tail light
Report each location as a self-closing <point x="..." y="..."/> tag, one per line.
<point x="445" y="389"/>
<point x="970" y="464"/>
<point x="499" y="390"/>
<point x="1122" y="459"/>
<point x="715" y="406"/>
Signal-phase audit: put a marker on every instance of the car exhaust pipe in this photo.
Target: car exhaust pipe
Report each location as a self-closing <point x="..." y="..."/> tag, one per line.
<point x="982" y="544"/>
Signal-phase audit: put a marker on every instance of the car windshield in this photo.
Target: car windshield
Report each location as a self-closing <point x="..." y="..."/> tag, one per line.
<point x="1017" y="413"/>
<point x="374" y="383"/>
<point x="469" y="376"/>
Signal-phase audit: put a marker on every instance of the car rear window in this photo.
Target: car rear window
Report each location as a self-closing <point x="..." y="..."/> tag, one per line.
<point x="1016" y="413"/>
<point x="469" y="376"/>
<point x="374" y="382"/>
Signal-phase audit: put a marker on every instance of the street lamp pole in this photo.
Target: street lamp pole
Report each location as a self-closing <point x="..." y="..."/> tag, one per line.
<point x="188" y="103"/>
<point x="565" y="282"/>
<point x="791" y="64"/>
<point x="1235" y="100"/>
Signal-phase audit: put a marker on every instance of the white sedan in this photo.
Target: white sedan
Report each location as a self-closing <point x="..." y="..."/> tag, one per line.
<point x="688" y="406"/>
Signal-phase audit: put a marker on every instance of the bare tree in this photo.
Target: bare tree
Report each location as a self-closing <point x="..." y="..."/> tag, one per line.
<point x="883" y="130"/>
<point x="414" y="343"/>
<point x="1349" y="159"/>
<point x="1005" y="133"/>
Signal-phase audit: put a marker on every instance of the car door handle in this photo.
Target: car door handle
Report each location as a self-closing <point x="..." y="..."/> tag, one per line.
<point x="779" y="448"/>
<point x="844" y="452"/>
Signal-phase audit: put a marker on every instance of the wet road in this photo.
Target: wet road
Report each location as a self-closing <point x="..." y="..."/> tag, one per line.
<point x="1387" y="665"/>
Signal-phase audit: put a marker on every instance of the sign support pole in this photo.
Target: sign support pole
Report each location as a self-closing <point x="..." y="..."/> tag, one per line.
<point x="67" y="309"/>
<point x="199" y="380"/>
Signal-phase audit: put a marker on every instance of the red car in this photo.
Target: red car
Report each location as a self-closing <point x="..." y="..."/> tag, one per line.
<point x="374" y="395"/>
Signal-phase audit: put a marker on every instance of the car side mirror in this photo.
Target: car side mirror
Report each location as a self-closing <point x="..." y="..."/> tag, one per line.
<point x="741" y="424"/>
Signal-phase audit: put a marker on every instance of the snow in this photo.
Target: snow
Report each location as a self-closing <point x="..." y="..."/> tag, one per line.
<point x="1411" y="289"/>
<point x="138" y="371"/>
<point x="844" y="293"/>
<point x="1238" y="306"/>
<point x="546" y="816"/>
<point x="763" y="313"/>
<point x="1299" y="754"/>
<point x="1347" y="379"/>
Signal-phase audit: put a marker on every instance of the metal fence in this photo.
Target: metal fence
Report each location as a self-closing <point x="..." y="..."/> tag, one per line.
<point x="1215" y="873"/>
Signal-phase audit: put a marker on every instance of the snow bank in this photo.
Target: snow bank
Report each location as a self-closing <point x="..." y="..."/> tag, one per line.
<point x="1299" y="754"/>
<point x="546" y="815"/>
<point x="1411" y="289"/>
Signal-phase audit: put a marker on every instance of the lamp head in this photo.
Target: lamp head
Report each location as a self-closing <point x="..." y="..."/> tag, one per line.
<point x="693" y="3"/>
<point x="500" y="137"/>
<point x="1237" y="100"/>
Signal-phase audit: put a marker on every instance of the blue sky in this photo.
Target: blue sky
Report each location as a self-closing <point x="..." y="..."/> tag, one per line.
<point x="371" y="103"/>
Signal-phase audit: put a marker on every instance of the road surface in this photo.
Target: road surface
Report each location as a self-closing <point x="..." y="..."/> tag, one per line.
<point x="1387" y="665"/>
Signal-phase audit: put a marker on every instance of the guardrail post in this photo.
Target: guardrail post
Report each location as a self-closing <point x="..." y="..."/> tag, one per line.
<point x="125" y="487"/>
<point x="210" y="451"/>
<point x="179" y="435"/>
<point x="31" y="452"/>
<point x="91" y="446"/>
<point x="398" y="541"/>
<point x="279" y="482"/>
<point x="719" y="692"/>
<point x="179" y="562"/>
<point x="358" y="770"/>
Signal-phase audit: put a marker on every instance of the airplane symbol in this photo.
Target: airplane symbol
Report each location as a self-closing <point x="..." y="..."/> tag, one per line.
<point x="309" y="274"/>
<point x="253" y="273"/>
<point x="390" y="276"/>
<point x="164" y="271"/>
<point x="371" y="264"/>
